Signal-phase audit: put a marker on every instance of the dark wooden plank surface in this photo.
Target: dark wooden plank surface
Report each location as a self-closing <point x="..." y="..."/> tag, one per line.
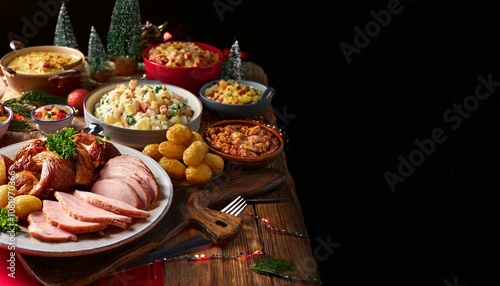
<point x="252" y="236"/>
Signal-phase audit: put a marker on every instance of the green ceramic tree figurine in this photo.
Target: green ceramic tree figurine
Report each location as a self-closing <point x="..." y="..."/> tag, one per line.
<point x="124" y="41"/>
<point x="97" y="59"/>
<point x="64" y="34"/>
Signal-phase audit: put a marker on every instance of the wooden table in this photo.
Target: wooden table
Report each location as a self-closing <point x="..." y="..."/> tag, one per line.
<point x="253" y="236"/>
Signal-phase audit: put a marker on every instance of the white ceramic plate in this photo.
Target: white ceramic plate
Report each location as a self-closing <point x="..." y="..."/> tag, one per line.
<point x="90" y="243"/>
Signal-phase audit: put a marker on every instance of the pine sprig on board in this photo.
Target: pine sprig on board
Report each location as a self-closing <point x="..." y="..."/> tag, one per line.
<point x="24" y="104"/>
<point x="272" y="265"/>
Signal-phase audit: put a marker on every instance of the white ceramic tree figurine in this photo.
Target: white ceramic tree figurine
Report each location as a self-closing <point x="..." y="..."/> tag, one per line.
<point x="232" y="67"/>
<point x="64" y="34"/>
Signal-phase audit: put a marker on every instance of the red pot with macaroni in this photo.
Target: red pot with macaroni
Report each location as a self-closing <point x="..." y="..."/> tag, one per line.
<point x="185" y="64"/>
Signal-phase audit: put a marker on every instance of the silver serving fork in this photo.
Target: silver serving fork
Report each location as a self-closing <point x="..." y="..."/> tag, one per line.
<point x="235" y="207"/>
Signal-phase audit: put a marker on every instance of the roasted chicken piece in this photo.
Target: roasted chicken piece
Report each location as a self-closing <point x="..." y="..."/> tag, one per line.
<point x="93" y="153"/>
<point x="25" y="181"/>
<point x="23" y="159"/>
<point x="57" y="174"/>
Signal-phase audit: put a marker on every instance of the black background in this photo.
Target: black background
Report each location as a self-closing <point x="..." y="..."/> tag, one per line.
<point x="348" y="122"/>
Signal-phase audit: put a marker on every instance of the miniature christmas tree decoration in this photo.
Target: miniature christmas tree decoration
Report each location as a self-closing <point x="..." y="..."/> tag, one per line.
<point x="232" y="68"/>
<point x="64" y="34"/>
<point x="97" y="59"/>
<point x="124" y="36"/>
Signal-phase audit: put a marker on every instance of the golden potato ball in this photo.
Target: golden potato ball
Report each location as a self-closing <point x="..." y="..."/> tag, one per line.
<point x="152" y="151"/>
<point x="171" y="150"/>
<point x="6" y="191"/>
<point x="196" y="137"/>
<point x="26" y="204"/>
<point x="194" y="153"/>
<point x="199" y="174"/>
<point x="215" y="162"/>
<point x="179" y="133"/>
<point x="174" y="168"/>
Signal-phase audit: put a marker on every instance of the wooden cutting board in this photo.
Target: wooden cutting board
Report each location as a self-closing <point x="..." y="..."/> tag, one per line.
<point x="190" y="206"/>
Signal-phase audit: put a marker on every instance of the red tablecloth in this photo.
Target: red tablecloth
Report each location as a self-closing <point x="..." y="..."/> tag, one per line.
<point x="12" y="272"/>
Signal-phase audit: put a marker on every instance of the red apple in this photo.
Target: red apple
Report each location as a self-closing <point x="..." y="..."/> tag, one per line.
<point x="76" y="99"/>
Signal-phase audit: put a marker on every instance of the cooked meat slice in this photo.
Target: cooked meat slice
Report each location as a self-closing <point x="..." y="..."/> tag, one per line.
<point x="110" y="204"/>
<point x="56" y="216"/>
<point x="137" y="183"/>
<point x="41" y="229"/>
<point x="57" y="174"/>
<point x="119" y="190"/>
<point x="81" y="210"/>
<point x="134" y="165"/>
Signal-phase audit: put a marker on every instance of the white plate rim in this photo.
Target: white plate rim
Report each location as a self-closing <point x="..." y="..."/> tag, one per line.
<point x="87" y="244"/>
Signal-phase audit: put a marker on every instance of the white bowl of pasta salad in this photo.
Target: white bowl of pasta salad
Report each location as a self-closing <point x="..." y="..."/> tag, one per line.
<point x="139" y="112"/>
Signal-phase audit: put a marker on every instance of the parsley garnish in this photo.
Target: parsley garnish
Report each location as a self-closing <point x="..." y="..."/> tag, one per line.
<point x="8" y="222"/>
<point x="62" y="142"/>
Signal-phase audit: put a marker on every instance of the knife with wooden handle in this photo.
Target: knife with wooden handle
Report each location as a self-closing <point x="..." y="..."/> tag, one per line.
<point x="192" y="244"/>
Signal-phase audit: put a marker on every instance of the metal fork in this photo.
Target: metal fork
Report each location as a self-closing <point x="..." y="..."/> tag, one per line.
<point x="194" y="243"/>
<point x="235" y="207"/>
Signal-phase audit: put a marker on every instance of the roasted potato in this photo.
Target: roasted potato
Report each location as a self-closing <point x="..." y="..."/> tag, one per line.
<point x="179" y="133"/>
<point x="6" y="191"/>
<point x="215" y="162"/>
<point x="152" y="151"/>
<point x="26" y="204"/>
<point x="194" y="154"/>
<point x="3" y="171"/>
<point x="174" y="168"/>
<point x="199" y="174"/>
<point x="171" y="150"/>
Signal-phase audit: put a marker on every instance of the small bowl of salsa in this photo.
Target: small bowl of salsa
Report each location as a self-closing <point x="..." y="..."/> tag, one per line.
<point x="53" y="117"/>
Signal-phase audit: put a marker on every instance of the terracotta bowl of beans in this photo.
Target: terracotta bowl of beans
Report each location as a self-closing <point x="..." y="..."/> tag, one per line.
<point x="185" y="64"/>
<point x="244" y="143"/>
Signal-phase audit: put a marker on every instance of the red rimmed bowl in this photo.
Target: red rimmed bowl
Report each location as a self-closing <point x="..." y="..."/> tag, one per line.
<point x="51" y="118"/>
<point x="190" y="78"/>
<point x="57" y="83"/>
<point x="253" y="155"/>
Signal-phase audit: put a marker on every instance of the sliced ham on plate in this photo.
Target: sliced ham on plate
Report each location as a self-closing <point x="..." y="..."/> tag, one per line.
<point x="119" y="190"/>
<point x="81" y="210"/>
<point x="55" y="215"/>
<point x="41" y="229"/>
<point x="129" y="164"/>
<point x="110" y="204"/>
